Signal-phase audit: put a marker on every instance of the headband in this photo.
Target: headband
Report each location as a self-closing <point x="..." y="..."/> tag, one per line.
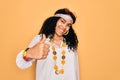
<point x="64" y="16"/>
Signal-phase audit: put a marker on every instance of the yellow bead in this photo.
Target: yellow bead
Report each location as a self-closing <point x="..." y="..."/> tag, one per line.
<point x="54" y="57"/>
<point x="64" y="44"/>
<point x="62" y="71"/>
<point x="63" y="52"/>
<point x="25" y="53"/>
<point x="63" y="62"/>
<point x="53" y="48"/>
<point x="56" y="67"/>
<point x="51" y="40"/>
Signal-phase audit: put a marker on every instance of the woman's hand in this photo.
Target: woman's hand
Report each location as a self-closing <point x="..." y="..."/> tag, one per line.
<point x="40" y="50"/>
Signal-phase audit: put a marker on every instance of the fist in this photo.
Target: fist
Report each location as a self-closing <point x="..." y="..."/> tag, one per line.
<point x="40" y="50"/>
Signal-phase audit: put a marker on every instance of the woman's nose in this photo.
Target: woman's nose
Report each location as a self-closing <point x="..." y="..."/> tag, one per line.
<point x="64" y="26"/>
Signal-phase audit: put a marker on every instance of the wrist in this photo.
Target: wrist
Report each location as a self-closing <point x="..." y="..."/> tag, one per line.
<point x="25" y="57"/>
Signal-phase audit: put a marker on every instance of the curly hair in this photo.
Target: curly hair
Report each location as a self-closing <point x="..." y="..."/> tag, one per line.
<point x="48" y="28"/>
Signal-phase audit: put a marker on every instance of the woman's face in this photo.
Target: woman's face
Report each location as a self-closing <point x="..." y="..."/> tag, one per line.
<point x="62" y="27"/>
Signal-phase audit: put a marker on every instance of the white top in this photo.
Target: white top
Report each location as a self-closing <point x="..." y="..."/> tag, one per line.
<point x="44" y="67"/>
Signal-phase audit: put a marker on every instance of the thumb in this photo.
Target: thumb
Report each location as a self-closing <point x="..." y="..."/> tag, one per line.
<point x="43" y="38"/>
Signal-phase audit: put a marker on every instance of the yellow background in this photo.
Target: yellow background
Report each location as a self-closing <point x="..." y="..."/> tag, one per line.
<point x="97" y="27"/>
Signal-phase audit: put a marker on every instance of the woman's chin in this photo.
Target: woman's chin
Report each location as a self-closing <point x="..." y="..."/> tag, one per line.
<point x="60" y="35"/>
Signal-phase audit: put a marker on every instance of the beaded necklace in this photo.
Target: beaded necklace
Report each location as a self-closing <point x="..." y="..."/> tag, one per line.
<point x="56" y="68"/>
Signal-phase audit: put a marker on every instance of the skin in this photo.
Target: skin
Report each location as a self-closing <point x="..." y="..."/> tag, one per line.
<point x="62" y="27"/>
<point x="41" y="49"/>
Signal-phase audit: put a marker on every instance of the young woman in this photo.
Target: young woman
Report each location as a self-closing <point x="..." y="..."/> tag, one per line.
<point x="54" y="48"/>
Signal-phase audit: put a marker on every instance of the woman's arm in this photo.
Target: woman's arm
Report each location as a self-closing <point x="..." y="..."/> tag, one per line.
<point x="20" y="61"/>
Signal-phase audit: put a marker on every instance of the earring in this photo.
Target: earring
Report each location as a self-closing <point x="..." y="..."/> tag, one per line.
<point x="66" y="33"/>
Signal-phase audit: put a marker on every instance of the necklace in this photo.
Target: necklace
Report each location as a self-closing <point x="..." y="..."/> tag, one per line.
<point x="56" y="68"/>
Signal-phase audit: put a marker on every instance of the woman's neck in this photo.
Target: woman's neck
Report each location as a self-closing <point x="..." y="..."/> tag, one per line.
<point x="58" y="40"/>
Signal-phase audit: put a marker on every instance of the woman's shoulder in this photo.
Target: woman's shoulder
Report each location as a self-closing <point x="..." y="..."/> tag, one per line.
<point x="72" y="51"/>
<point x="38" y="36"/>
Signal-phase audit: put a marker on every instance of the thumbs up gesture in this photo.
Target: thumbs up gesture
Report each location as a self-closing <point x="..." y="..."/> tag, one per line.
<point x="40" y="50"/>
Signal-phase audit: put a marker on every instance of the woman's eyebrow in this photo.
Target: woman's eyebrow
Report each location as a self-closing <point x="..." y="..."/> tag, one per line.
<point x="63" y="19"/>
<point x="66" y="21"/>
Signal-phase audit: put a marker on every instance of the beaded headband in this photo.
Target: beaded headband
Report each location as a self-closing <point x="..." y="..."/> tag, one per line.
<point x="64" y="16"/>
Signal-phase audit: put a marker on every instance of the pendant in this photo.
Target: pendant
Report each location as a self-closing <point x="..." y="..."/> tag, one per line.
<point x="57" y="72"/>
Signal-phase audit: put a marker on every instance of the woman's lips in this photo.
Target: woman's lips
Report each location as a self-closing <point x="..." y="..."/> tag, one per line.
<point x="61" y="30"/>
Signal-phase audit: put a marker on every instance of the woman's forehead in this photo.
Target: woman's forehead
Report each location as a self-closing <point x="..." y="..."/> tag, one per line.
<point x="69" y="22"/>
